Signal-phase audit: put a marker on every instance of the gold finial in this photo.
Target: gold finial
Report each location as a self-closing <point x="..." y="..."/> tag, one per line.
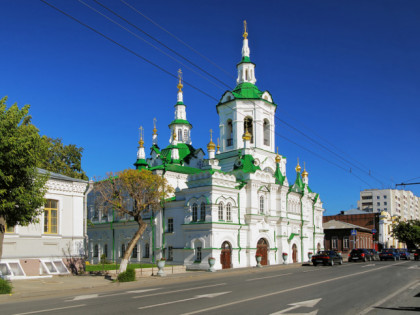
<point x="278" y="157"/>
<point x="179" y="86"/>
<point x="211" y="145"/>
<point x="304" y="173"/>
<point x="246" y="136"/>
<point x="141" y="142"/>
<point x="218" y="146"/>
<point x="154" y="127"/>
<point x="298" y="168"/>
<point x="174" y="135"/>
<point x="245" y="35"/>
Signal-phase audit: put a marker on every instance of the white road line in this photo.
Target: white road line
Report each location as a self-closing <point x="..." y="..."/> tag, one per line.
<point x="181" y="290"/>
<point x="85" y="297"/>
<point x="284" y="291"/>
<point x="370" y="265"/>
<point x="284" y="274"/>
<point x="51" y="309"/>
<point x="141" y="291"/>
<point x="370" y="308"/>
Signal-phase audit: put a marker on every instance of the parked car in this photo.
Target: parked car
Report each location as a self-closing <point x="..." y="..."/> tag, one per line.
<point x="404" y="253"/>
<point x="374" y="255"/>
<point x="327" y="257"/>
<point x="359" y="254"/>
<point x="417" y="254"/>
<point x="389" y="253"/>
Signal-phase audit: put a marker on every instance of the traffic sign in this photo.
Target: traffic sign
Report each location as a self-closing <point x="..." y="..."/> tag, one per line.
<point x="374" y="231"/>
<point x="353" y="232"/>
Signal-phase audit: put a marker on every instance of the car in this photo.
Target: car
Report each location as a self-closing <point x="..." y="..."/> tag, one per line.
<point x="389" y="253"/>
<point x="327" y="257"/>
<point x="374" y="255"/>
<point x="359" y="254"/>
<point x="404" y="253"/>
<point x="417" y="254"/>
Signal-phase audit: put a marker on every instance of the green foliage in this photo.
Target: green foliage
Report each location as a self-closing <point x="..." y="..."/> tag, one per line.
<point x="5" y="287"/>
<point x="116" y="267"/>
<point x="22" y="188"/>
<point x="408" y="233"/>
<point x="127" y="276"/>
<point x="63" y="159"/>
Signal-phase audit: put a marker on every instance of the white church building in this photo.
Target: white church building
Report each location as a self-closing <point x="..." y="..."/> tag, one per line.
<point x="231" y="206"/>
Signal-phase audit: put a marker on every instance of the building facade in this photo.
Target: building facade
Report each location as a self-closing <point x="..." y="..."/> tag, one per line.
<point x="231" y="206"/>
<point x="55" y="244"/>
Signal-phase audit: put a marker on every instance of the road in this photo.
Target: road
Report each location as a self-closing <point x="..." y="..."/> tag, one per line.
<point x="352" y="288"/>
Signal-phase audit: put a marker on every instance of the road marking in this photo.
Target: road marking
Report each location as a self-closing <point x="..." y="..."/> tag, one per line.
<point x="181" y="290"/>
<point x="370" y="308"/>
<point x="51" y="309"/>
<point x="309" y="303"/>
<point x="141" y="291"/>
<point x="284" y="291"/>
<point x="211" y="295"/>
<point x="85" y="297"/>
<point x="370" y="265"/>
<point x="414" y="267"/>
<point x="284" y="274"/>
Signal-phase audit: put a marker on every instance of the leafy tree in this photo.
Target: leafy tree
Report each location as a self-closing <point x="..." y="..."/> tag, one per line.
<point x="22" y="188"/>
<point x="408" y="233"/>
<point x="135" y="193"/>
<point x="63" y="159"/>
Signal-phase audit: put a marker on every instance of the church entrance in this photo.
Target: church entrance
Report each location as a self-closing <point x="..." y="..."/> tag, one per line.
<point x="226" y="255"/>
<point x="262" y="249"/>
<point x="294" y="254"/>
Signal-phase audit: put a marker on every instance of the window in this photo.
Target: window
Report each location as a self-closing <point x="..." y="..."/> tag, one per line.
<point x="334" y="242"/>
<point x="146" y="250"/>
<point x="179" y="135"/>
<point x="198" y="254"/>
<point x="185" y="135"/>
<point x="221" y="211"/>
<point x="50" y="216"/>
<point x="96" y="250"/>
<point x="194" y="213"/>
<point x="122" y="250"/>
<point x="134" y="254"/>
<point x="377" y="197"/>
<point x="170" y="253"/>
<point x="106" y="250"/>
<point x="385" y="197"/>
<point x="385" y="203"/>
<point x="203" y="212"/>
<point x="266" y="127"/>
<point x="170" y="225"/>
<point x="346" y="242"/>
<point x="228" y="212"/>
<point x="385" y="209"/>
<point x="378" y="203"/>
<point x="261" y="204"/>
<point x="229" y="133"/>
<point x="248" y="124"/>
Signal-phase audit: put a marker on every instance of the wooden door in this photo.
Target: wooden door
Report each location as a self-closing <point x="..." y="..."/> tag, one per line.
<point x="262" y="249"/>
<point x="294" y="254"/>
<point x="226" y="255"/>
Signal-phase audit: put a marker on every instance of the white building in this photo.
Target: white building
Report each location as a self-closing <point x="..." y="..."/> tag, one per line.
<point x="400" y="203"/>
<point x="48" y="247"/>
<point x="231" y="206"/>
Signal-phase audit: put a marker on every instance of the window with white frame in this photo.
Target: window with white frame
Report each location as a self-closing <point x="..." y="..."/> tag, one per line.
<point x="170" y="253"/>
<point x="228" y="212"/>
<point x="194" y="213"/>
<point x="198" y="254"/>
<point x="170" y="225"/>
<point x="105" y="250"/>
<point x="146" y="250"/>
<point x="185" y="135"/>
<point x="122" y="250"/>
<point x="96" y="250"/>
<point x="334" y="242"/>
<point x="346" y="242"/>
<point x="220" y="211"/>
<point x="134" y="254"/>
<point x="261" y="204"/>
<point x="203" y="211"/>
<point x="179" y="135"/>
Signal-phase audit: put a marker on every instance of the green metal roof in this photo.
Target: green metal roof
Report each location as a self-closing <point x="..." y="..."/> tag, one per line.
<point x="247" y="90"/>
<point x="141" y="163"/>
<point x="298" y="186"/>
<point x="186" y="152"/>
<point x="247" y="164"/>
<point x="278" y="175"/>
<point x="180" y="122"/>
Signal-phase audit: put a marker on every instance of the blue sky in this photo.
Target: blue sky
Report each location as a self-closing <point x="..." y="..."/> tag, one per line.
<point x="346" y="73"/>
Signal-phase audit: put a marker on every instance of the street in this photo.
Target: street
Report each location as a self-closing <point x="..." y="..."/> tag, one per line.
<point x="379" y="287"/>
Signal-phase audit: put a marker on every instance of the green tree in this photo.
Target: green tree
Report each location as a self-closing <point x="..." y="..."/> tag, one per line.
<point x="408" y="233"/>
<point x="63" y="159"/>
<point x="22" y="188"/>
<point x="135" y="193"/>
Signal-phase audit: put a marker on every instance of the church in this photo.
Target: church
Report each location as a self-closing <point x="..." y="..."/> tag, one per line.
<point x="231" y="206"/>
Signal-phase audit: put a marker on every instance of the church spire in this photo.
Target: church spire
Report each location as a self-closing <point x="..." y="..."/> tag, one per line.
<point x="154" y="137"/>
<point x="246" y="69"/>
<point x="180" y="86"/>
<point x="245" y="47"/>
<point x="141" y="155"/>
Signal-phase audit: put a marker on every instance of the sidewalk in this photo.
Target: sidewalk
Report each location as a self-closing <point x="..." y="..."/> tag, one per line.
<point x="79" y="285"/>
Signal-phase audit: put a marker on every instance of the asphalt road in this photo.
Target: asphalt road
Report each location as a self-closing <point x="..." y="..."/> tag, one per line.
<point x="352" y="288"/>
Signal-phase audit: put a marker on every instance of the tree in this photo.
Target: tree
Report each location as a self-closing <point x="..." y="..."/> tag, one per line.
<point x="135" y="193"/>
<point x="22" y="188"/>
<point x="63" y="159"/>
<point x="408" y="233"/>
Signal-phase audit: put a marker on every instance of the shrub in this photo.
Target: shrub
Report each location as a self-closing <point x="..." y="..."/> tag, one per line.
<point x="5" y="287"/>
<point x="129" y="275"/>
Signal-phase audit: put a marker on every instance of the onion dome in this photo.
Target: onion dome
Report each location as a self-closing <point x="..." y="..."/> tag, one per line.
<point x="278" y="157"/>
<point x="298" y="168"/>
<point x="247" y="136"/>
<point x="305" y="173"/>
<point x="211" y="145"/>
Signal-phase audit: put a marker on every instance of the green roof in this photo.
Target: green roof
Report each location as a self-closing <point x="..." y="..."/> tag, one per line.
<point x="247" y="90"/>
<point x="298" y="186"/>
<point x="155" y="148"/>
<point x="247" y="164"/>
<point x="141" y="163"/>
<point x="177" y="168"/>
<point x="186" y="152"/>
<point x="245" y="59"/>
<point x="278" y="175"/>
<point x="180" y="122"/>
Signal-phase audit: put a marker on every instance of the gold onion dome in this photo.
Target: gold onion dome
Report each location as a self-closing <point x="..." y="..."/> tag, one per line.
<point x="218" y="146"/>
<point x="246" y="136"/>
<point x="154" y="131"/>
<point x="211" y="145"/>
<point x="278" y="157"/>
<point x="305" y="173"/>
<point x="298" y="168"/>
<point x="141" y="143"/>
<point x="245" y="35"/>
<point x="179" y="86"/>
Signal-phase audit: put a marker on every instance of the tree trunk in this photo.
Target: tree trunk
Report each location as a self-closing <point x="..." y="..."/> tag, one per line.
<point x="2" y="231"/>
<point x="131" y="244"/>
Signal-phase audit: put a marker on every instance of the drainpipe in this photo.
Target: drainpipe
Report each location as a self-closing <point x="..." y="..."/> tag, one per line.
<point x="301" y="228"/>
<point x="313" y="223"/>
<point x="152" y="224"/>
<point x="239" y="230"/>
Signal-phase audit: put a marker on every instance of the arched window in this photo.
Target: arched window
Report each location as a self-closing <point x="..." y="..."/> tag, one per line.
<point x="228" y="212"/>
<point x="179" y="135"/>
<point x="203" y="212"/>
<point x="122" y="250"/>
<point x="246" y="74"/>
<point x="185" y="135"/>
<point x="262" y="204"/>
<point x="266" y="132"/>
<point x="134" y="254"/>
<point x="194" y="213"/>
<point x="106" y="250"/>
<point x="248" y="126"/>
<point x="221" y="211"/>
<point x="229" y="133"/>
<point x="146" y="250"/>
<point x="96" y="251"/>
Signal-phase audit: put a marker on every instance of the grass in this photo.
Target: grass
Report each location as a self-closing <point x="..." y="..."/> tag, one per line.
<point x="5" y="287"/>
<point x="115" y="267"/>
